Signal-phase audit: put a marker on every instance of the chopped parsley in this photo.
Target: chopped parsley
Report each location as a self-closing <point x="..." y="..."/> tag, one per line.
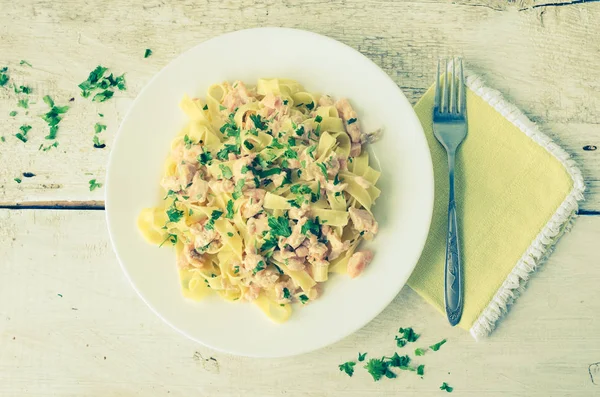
<point x="378" y="368"/>
<point x="259" y="267"/>
<point x="18" y="180"/>
<point x="300" y="131"/>
<point x="268" y="244"/>
<point x="437" y="346"/>
<point x="94" y="185"/>
<point x="98" y="144"/>
<point x="210" y="225"/>
<point x="53" y="117"/>
<point x="361" y="356"/>
<point x="420" y="352"/>
<point x="276" y="144"/>
<point x="323" y="169"/>
<point x="174" y="214"/>
<point x="147" y="53"/>
<point x="204" y="158"/>
<point x="236" y="269"/>
<point x="22" y="136"/>
<point x="408" y="335"/>
<point x="399" y="361"/>
<point x="311" y="226"/>
<point x="23" y="62"/>
<point x="23" y="103"/>
<point x="303" y="298"/>
<point x="22" y="89"/>
<point x="286" y="293"/>
<point x="348" y="368"/>
<point x="446" y="387"/>
<point x="3" y="76"/>
<point x="285" y="101"/>
<point x="248" y="145"/>
<point x="13" y="113"/>
<point x="205" y="107"/>
<point x="258" y="122"/>
<point x="230" y="212"/>
<point x="318" y="119"/>
<point x="310" y="151"/>
<point x="279" y="226"/>
<point x="46" y="148"/>
<point x="290" y="153"/>
<point x="230" y="234"/>
<point x="300" y="189"/>
<point x="266" y="173"/>
<point x="97" y="81"/>
<point x="237" y="192"/>
<point x="223" y="154"/>
<point x="172" y="238"/>
<point x="100" y="127"/>
<point x="421" y="370"/>
<point x="310" y="106"/>
<point x="225" y="171"/>
<point x="351" y="121"/>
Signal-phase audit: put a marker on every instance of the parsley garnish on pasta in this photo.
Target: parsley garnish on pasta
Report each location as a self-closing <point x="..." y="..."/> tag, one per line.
<point x="269" y="190"/>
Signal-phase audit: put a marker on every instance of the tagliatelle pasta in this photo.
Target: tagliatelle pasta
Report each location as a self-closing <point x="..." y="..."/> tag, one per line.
<point x="267" y="191"/>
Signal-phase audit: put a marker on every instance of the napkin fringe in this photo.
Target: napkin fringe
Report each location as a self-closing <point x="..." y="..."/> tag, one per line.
<point x="543" y="245"/>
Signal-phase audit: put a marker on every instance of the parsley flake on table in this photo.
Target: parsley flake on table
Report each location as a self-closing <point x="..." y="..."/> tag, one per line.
<point x="4" y="76"/>
<point x="23" y="103"/>
<point x="437" y="346"/>
<point x="446" y="387"/>
<point x="46" y="148"/>
<point x="147" y="53"/>
<point x="18" y="180"/>
<point x="407" y="335"/>
<point x="97" y="81"/>
<point x="378" y="368"/>
<point x="94" y="184"/>
<point x="419" y="351"/>
<point x="348" y="368"/>
<point x="421" y="370"/>
<point x="98" y="144"/>
<point x="13" y="113"/>
<point x="361" y="356"/>
<point x="99" y="128"/>
<point x="22" y="136"/>
<point x="23" y="62"/>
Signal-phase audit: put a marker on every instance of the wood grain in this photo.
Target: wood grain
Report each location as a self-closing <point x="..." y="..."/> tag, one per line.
<point x="70" y="325"/>
<point x="543" y="59"/>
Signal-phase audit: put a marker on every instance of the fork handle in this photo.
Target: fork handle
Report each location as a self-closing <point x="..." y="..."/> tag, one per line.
<point x="453" y="284"/>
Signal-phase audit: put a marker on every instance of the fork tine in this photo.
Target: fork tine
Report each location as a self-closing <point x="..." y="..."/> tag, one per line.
<point x="453" y="93"/>
<point x="436" y="104"/>
<point x="444" y="106"/>
<point x="462" y="88"/>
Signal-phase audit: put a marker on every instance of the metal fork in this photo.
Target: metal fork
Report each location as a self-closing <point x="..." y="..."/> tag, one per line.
<point x="450" y="129"/>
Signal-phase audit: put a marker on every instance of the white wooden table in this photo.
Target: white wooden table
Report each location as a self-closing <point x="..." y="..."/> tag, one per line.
<point x="70" y="325"/>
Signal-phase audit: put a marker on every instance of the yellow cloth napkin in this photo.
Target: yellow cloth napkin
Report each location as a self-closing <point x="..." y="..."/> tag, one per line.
<point x="516" y="192"/>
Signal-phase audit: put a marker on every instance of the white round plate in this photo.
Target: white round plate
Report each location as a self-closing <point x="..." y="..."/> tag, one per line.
<point x="404" y="209"/>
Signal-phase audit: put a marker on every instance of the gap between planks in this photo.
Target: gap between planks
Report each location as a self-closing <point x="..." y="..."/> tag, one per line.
<point x="100" y="206"/>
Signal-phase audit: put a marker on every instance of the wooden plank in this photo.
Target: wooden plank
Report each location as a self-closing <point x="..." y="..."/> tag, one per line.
<point x="70" y="325"/>
<point x="543" y="59"/>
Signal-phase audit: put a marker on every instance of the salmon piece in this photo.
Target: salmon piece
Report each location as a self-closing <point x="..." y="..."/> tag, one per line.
<point x="337" y="247"/>
<point x="363" y="221"/>
<point x="357" y="263"/>
<point x="350" y="119"/>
